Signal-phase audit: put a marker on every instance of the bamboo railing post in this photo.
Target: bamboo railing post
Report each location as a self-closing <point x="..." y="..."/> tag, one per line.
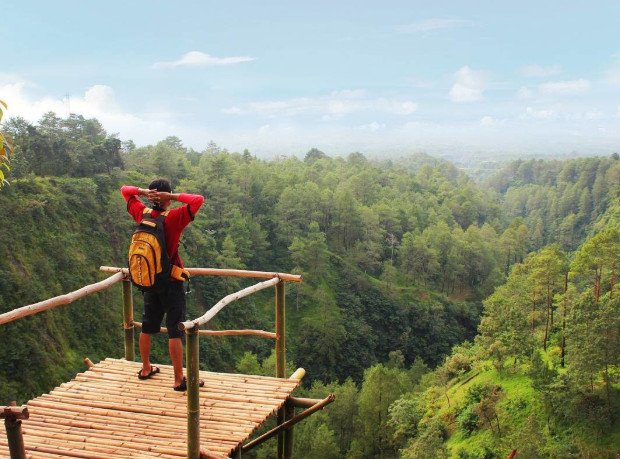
<point x="289" y="413"/>
<point x="128" y="321"/>
<point x="193" y="394"/>
<point x="280" y="353"/>
<point x="13" y="425"/>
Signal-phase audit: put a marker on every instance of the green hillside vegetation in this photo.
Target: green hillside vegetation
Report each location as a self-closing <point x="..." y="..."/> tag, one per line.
<point x="446" y="320"/>
<point x="542" y="376"/>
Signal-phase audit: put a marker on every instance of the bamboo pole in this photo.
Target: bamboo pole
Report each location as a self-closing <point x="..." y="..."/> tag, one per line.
<point x="260" y="333"/>
<point x="226" y="300"/>
<point x="222" y="272"/>
<point x="302" y="402"/>
<point x="280" y="354"/>
<point x="298" y="374"/>
<point x="289" y="413"/>
<point x="89" y="363"/>
<point x="128" y="321"/>
<point x="58" y="300"/>
<point x="13" y="416"/>
<point x="288" y="424"/>
<point x="193" y="394"/>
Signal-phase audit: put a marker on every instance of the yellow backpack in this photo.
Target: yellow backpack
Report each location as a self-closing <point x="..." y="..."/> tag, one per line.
<point x="149" y="264"/>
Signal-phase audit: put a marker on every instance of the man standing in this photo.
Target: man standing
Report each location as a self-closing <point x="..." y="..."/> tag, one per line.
<point x="169" y="301"/>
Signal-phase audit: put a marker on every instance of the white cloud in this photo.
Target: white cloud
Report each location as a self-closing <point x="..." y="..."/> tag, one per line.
<point x="372" y="127"/>
<point x="333" y="106"/>
<point x="612" y="77"/>
<point x="524" y="93"/>
<point x="200" y="59"/>
<point x="97" y="101"/>
<point x="433" y="24"/>
<point x="535" y="70"/>
<point x="469" y="85"/>
<point x="565" y="87"/>
<point x="541" y="113"/>
<point x="593" y="115"/>
<point x="488" y="121"/>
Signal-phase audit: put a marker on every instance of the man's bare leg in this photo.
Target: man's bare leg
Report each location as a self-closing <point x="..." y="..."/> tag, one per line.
<point x="145" y="351"/>
<point x="175" y="347"/>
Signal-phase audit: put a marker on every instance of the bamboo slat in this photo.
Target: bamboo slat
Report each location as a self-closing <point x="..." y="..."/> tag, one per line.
<point x="88" y="417"/>
<point x="59" y="300"/>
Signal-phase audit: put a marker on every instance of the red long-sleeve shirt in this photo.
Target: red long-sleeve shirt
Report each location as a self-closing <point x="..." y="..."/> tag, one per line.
<point x="174" y="223"/>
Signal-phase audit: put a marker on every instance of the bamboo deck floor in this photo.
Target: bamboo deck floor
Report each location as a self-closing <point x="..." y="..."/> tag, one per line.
<point x="106" y="412"/>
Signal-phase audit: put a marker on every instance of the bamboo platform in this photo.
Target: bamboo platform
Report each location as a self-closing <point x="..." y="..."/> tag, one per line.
<point x="106" y="412"/>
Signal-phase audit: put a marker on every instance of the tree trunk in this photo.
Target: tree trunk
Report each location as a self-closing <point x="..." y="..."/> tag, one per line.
<point x="597" y="285"/>
<point x="612" y="281"/>
<point x="548" y="317"/>
<point x="563" y="345"/>
<point x="533" y="311"/>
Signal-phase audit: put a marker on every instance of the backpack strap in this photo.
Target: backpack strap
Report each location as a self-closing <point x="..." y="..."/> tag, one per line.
<point x="148" y="210"/>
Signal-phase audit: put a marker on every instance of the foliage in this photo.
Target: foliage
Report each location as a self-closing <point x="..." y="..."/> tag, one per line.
<point x="6" y="149"/>
<point x="400" y="261"/>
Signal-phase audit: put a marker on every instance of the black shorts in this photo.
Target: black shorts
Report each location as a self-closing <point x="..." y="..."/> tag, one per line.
<point x="171" y="302"/>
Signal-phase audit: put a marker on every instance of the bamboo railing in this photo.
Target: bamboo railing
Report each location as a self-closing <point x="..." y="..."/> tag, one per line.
<point x="285" y="416"/>
<point x="193" y="332"/>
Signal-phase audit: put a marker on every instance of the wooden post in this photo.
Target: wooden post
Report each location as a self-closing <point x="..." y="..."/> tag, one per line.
<point x="280" y="354"/>
<point x="128" y="321"/>
<point x="289" y="412"/>
<point x="193" y="394"/>
<point x="12" y="422"/>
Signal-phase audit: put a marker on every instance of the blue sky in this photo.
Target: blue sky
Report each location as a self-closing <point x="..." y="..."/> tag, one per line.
<point x="391" y="77"/>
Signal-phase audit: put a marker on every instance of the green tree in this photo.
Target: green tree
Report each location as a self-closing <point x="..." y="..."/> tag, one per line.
<point x="381" y="387"/>
<point x="594" y="348"/>
<point x="596" y="258"/>
<point x="315" y="440"/>
<point x="310" y="253"/>
<point x="548" y="270"/>
<point x="6" y="149"/>
<point x="504" y="329"/>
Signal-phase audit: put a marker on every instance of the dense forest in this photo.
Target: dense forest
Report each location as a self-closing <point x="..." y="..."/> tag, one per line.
<point x="451" y="318"/>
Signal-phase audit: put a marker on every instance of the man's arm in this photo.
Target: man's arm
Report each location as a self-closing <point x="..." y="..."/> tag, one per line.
<point x="135" y="207"/>
<point x="193" y="201"/>
<point x="129" y="191"/>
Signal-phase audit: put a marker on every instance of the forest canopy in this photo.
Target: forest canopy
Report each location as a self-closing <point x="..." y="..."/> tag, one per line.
<point x="447" y="315"/>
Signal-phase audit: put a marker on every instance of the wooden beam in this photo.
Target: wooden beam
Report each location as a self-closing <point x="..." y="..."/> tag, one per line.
<point x="260" y="333"/>
<point x="223" y="272"/>
<point x="280" y="355"/>
<point x="15" y="412"/>
<point x="13" y="416"/>
<point x="193" y="394"/>
<point x="226" y="300"/>
<point x="128" y="321"/>
<point x="301" y="402"/>
<point x="288" y="424"/>
<point x="59" y="300"/>
<point x="289" y="413"/>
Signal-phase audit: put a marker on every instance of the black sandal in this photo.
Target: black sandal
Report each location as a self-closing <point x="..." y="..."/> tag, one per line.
<point x="183" y="386"/>
<point x="153" y="372"/>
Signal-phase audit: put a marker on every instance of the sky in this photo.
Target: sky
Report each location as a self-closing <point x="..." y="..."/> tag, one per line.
<point x="280" y="77"/>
